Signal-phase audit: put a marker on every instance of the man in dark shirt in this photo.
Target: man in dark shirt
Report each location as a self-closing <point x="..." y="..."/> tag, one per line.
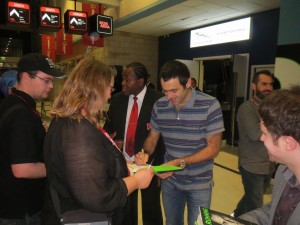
<point x="280" y="125"/>
<point x="22" y="170"/>
<point x="255" y="167"/>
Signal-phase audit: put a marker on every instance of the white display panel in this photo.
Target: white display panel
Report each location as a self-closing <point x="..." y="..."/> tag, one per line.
<point x="237" y="30"/>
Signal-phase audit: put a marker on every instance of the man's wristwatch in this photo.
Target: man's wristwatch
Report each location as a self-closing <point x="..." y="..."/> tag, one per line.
<point x="182" y="163"/>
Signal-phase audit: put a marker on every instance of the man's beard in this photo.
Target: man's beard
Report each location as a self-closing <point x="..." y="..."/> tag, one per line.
<point x="262" y="95"/>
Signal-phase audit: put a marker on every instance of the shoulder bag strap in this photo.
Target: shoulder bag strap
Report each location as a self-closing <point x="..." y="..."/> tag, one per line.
<point x="55" y="200"/>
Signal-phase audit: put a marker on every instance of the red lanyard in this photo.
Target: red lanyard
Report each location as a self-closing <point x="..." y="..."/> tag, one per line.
<point x="109" y="138"/>
<point x="254" y="102"/>
<point x="114" y="143"/>
<point x="33" y="110"/>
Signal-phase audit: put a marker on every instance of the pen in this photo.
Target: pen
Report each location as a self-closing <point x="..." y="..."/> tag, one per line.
<point x="149" y="166"/>
<point x="143" y="152"/>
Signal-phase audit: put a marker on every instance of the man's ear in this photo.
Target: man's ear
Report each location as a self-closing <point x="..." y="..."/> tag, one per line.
<point x="253" y="85"/>
<point x="290" y="143"/>
<point x="26" y="76"/>
<point x="188" y="83"/>
<point x="141" y="82"/>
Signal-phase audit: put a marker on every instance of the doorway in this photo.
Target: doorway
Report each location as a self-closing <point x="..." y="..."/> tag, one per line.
<point x="226" y="78"/>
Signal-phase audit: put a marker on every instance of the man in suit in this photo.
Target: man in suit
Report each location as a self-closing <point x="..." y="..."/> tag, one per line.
<point x="194" y="84"/>
<point x="134" y="81"/>
<point x="280" y="125"/>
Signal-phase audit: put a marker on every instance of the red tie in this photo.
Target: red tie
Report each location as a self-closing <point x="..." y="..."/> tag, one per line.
<point x="130" y="136"/>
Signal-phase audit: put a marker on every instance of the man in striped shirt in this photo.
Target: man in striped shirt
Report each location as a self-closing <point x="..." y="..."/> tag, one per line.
<point x="191" y="125"/>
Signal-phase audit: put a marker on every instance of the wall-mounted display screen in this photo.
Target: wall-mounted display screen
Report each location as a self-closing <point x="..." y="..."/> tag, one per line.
<point x="105" y="24"/>
<point x="100" y="24"/>
<point x="75" y="22"/>
<point x="50" y="17"/>
<point x="18" y="12"/>
<point x="237" y="30"/>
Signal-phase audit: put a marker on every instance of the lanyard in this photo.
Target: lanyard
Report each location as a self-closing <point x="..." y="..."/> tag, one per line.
<point x="113" y="143"/>
<point x="253" y="102"/>
<point x="26" y="103"/>
<point x="109" y="138"/>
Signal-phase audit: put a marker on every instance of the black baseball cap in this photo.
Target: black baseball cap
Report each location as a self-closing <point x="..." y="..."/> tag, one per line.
<point x="35" y="62"/>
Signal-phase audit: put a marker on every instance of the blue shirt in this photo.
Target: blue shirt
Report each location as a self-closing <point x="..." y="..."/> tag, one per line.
<point x="185" y="132"/>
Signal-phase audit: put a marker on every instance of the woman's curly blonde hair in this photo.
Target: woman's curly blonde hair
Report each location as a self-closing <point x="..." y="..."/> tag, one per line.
<point x="84" y="88"/>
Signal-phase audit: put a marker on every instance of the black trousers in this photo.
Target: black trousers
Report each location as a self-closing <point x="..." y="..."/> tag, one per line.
<point x="151" y="206"/>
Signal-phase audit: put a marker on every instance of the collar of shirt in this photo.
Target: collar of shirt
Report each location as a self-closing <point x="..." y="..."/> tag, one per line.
<point x="257" y="100"/>
<point x="140" y="99"/>
<point x="290" y="178"/>
<point x="26" y="97"/>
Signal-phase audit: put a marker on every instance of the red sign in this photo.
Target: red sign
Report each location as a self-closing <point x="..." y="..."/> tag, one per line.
<point x="92" y="9"/>
<point x="93" y="39"/>
<point x="18" y="12"/>
<point x="64" y="42"/>
<point x="48" y="46"/>
<point x="105" y="25"/>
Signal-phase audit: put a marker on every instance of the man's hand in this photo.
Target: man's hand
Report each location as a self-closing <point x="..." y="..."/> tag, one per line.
<point x="165" y="175"/>
<point x="168" y="174"/>
<point x="113" y="135"/>
<point x="141" y="158"/>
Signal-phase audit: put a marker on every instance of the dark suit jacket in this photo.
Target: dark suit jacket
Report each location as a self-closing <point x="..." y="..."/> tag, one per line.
<point x="116" y="119"/>
<point x="197" y="89"/>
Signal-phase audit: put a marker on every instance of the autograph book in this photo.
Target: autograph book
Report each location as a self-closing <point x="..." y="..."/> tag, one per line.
<point x="133" y="168"/>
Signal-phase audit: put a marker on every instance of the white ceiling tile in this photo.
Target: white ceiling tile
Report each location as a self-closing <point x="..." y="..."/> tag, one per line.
<point x="193" y="3"/>
<point x="246" y="6"/>
<point x="208" y="6"/>
<point x="266" y="3"/>
<point x="225" y="2"/>
<point x="225" y="11"/>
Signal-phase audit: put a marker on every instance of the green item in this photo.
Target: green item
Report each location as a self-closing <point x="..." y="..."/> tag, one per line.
<point x="164" y="169"/>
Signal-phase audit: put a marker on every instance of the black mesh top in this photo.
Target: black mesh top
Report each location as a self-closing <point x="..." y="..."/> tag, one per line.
<point x="84" y="167"/>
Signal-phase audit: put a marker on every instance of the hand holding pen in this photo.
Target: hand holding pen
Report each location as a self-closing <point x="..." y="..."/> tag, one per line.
<point x="141" y="158"/>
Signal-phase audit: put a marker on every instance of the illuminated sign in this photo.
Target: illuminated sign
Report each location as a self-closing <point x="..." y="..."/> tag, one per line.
<point x="75" y="22"/>
<point x="18" y="13"/>
<point x="101" y="24"/>
<point x="50" y="17"/>
<point x="237" y="30"/>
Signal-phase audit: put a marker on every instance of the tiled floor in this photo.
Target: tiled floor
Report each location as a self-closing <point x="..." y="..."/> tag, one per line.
<point x="228" y="188"/>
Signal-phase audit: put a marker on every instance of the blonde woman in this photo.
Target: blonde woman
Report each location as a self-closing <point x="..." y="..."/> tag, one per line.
<point x="84" y="166"/>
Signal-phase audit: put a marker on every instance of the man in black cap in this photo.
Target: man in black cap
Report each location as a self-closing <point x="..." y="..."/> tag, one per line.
<point x="22" y="170"/>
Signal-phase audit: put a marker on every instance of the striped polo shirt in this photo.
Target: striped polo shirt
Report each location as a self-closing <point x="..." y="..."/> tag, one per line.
<point x="184" y="133"/>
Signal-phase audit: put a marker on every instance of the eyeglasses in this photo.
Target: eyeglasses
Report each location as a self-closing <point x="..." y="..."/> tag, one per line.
<point x="47" y="81"/>
<point x="112" y="89"/>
